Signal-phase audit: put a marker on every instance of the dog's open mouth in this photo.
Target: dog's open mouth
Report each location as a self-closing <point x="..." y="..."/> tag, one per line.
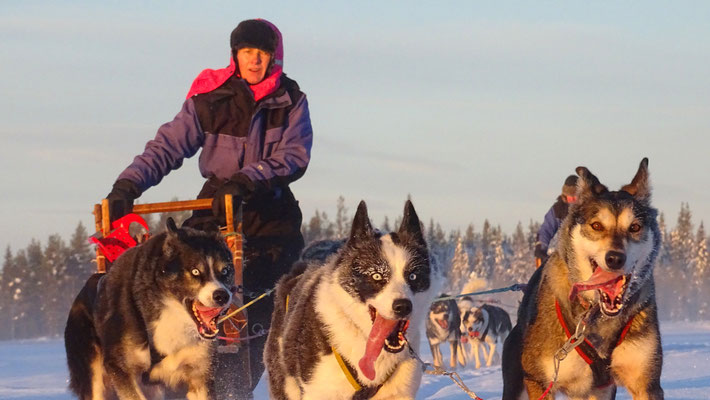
<point x="394" y="342"/>
<point x="385" y="334"/>
<point x="444" y="324"/>
<point x="610" y="287"/>
<point x="205" y="318"/>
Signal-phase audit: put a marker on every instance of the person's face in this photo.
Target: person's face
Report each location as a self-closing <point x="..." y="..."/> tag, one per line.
<point x="253" y="64"/>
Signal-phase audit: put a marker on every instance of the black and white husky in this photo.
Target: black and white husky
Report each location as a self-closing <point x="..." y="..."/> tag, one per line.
<point x="486" y="328"/>
<point x="149" y="321"/>
<point x="338" y="329"/>
<point x="443" y="326"/>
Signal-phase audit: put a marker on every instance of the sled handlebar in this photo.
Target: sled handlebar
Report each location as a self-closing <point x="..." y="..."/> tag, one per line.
<point x="103" y="222"/>
<point x="173" y="206"/>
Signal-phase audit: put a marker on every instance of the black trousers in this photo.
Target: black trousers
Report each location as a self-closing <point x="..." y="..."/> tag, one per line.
<point x="231" y="380"/>
<point x="273" y="242"/>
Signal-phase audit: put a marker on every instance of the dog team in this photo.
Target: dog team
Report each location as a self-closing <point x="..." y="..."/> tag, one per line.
<point x="347" y="316"/>
<point x="346" y="319"/>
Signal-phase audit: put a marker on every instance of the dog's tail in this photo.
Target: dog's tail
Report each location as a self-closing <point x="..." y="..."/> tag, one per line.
<point x="82" y="343"/>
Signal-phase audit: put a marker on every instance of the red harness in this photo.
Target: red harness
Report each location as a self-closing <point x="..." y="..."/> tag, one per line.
<point x="579" y="349"/>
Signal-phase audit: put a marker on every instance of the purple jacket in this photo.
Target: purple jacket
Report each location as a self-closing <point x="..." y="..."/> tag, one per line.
<point x="551" y="223"/>
<point x="270" y="154"/>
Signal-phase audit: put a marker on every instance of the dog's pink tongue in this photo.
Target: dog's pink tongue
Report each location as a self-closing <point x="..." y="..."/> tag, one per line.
<point x="207" y="313"/>
<point x="609" y="282"/>
<point x="381" y="328"/>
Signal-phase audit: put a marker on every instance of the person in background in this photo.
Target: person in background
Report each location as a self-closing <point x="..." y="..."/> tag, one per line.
<point x="553" y="219"/>
<point x="253" y="126"/>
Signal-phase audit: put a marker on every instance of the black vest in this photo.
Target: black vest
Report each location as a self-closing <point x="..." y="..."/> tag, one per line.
<point x="230" y="108"/>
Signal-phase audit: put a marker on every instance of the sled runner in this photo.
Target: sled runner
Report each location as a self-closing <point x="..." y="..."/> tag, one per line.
<point x="114" y="238"/>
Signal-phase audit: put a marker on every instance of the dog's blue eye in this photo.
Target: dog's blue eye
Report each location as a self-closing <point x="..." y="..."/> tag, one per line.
<point x="195" y="272"/>
<point x="412" y="277"/>
<point x="225" y="271"/>
<point x="376" y="277"/>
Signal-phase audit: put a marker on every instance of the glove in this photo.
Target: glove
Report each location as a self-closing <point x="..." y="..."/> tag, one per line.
<point x="540" y="255"/>
<point x="120" y="200"/>
<point x="239" y="186"/>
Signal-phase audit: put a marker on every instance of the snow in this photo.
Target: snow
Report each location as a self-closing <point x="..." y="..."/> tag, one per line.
<point x="36" y="370"/>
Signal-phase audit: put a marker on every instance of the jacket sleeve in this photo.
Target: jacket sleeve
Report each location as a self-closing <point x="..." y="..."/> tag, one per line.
<point x="548" y="229"/>
<point x="291" y="156"/>
<point x="176" y="140"/>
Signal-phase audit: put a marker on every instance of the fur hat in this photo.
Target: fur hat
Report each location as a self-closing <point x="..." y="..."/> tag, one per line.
<point x="253" y="33"/>
<point x="570" y="186"/>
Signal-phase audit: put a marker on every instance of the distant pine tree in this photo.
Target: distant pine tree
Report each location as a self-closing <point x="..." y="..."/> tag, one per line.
<point x="701" y="273"/>
<point x="480" y="269"/>
<point x="682" y="238"/>
<point x="81" y="258"/>
<point x="312" y="231"/>
<point x="342" y="220"/>
<point x="664" y="252"/>
<point x="469" y="239"/>
<point x="682" y="242"/>
<point x="486" y="238"/>
<point x="522" y="263"/>
<point x="53" y="273"/>
<point x="35" y="285"/>
<point x="20" y="288"/>
<point x="7" y="281"/>
<point x="327" y="226"/>
<point x="533" y="229"/>
<point x="460" y="268"/>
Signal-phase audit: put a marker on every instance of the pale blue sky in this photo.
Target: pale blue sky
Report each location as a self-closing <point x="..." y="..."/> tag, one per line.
<point x="478" y="109"/>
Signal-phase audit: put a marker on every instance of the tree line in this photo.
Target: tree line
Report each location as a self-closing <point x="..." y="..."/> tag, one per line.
<point x="471" y="260"/>
<point x="39" y="283"/>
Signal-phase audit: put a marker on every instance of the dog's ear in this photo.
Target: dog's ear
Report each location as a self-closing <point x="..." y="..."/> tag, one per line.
<point x="640" y="187"/>
<point x="170" y="224"/>
<point x="362" y="228"/>
<point x="588" y="184"/>
<point x="410" y="225"/>
<point x="173" y="230"/>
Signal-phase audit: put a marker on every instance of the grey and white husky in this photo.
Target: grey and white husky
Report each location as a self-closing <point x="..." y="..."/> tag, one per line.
<point x="600" y="277"/>
<point x="338" y="329"/>
<point x="151" y="319"/>
<point x="484" y="328"/>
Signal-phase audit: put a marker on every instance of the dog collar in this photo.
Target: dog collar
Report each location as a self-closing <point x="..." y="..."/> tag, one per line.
<point x="353" y="382"/>
<point x="361" y="392"/>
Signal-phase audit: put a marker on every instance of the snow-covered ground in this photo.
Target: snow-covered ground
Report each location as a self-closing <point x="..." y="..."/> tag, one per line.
<point x="36" y="370"/>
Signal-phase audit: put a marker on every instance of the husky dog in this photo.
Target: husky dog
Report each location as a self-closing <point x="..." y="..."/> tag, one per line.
<point x="470" y="345"/>
<point x="600" y="278"/>
<point x="151" y="319"/>
<point x="485" y="326"/>
<point x="442" y="326"/>
<point x="338" y="329"/>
